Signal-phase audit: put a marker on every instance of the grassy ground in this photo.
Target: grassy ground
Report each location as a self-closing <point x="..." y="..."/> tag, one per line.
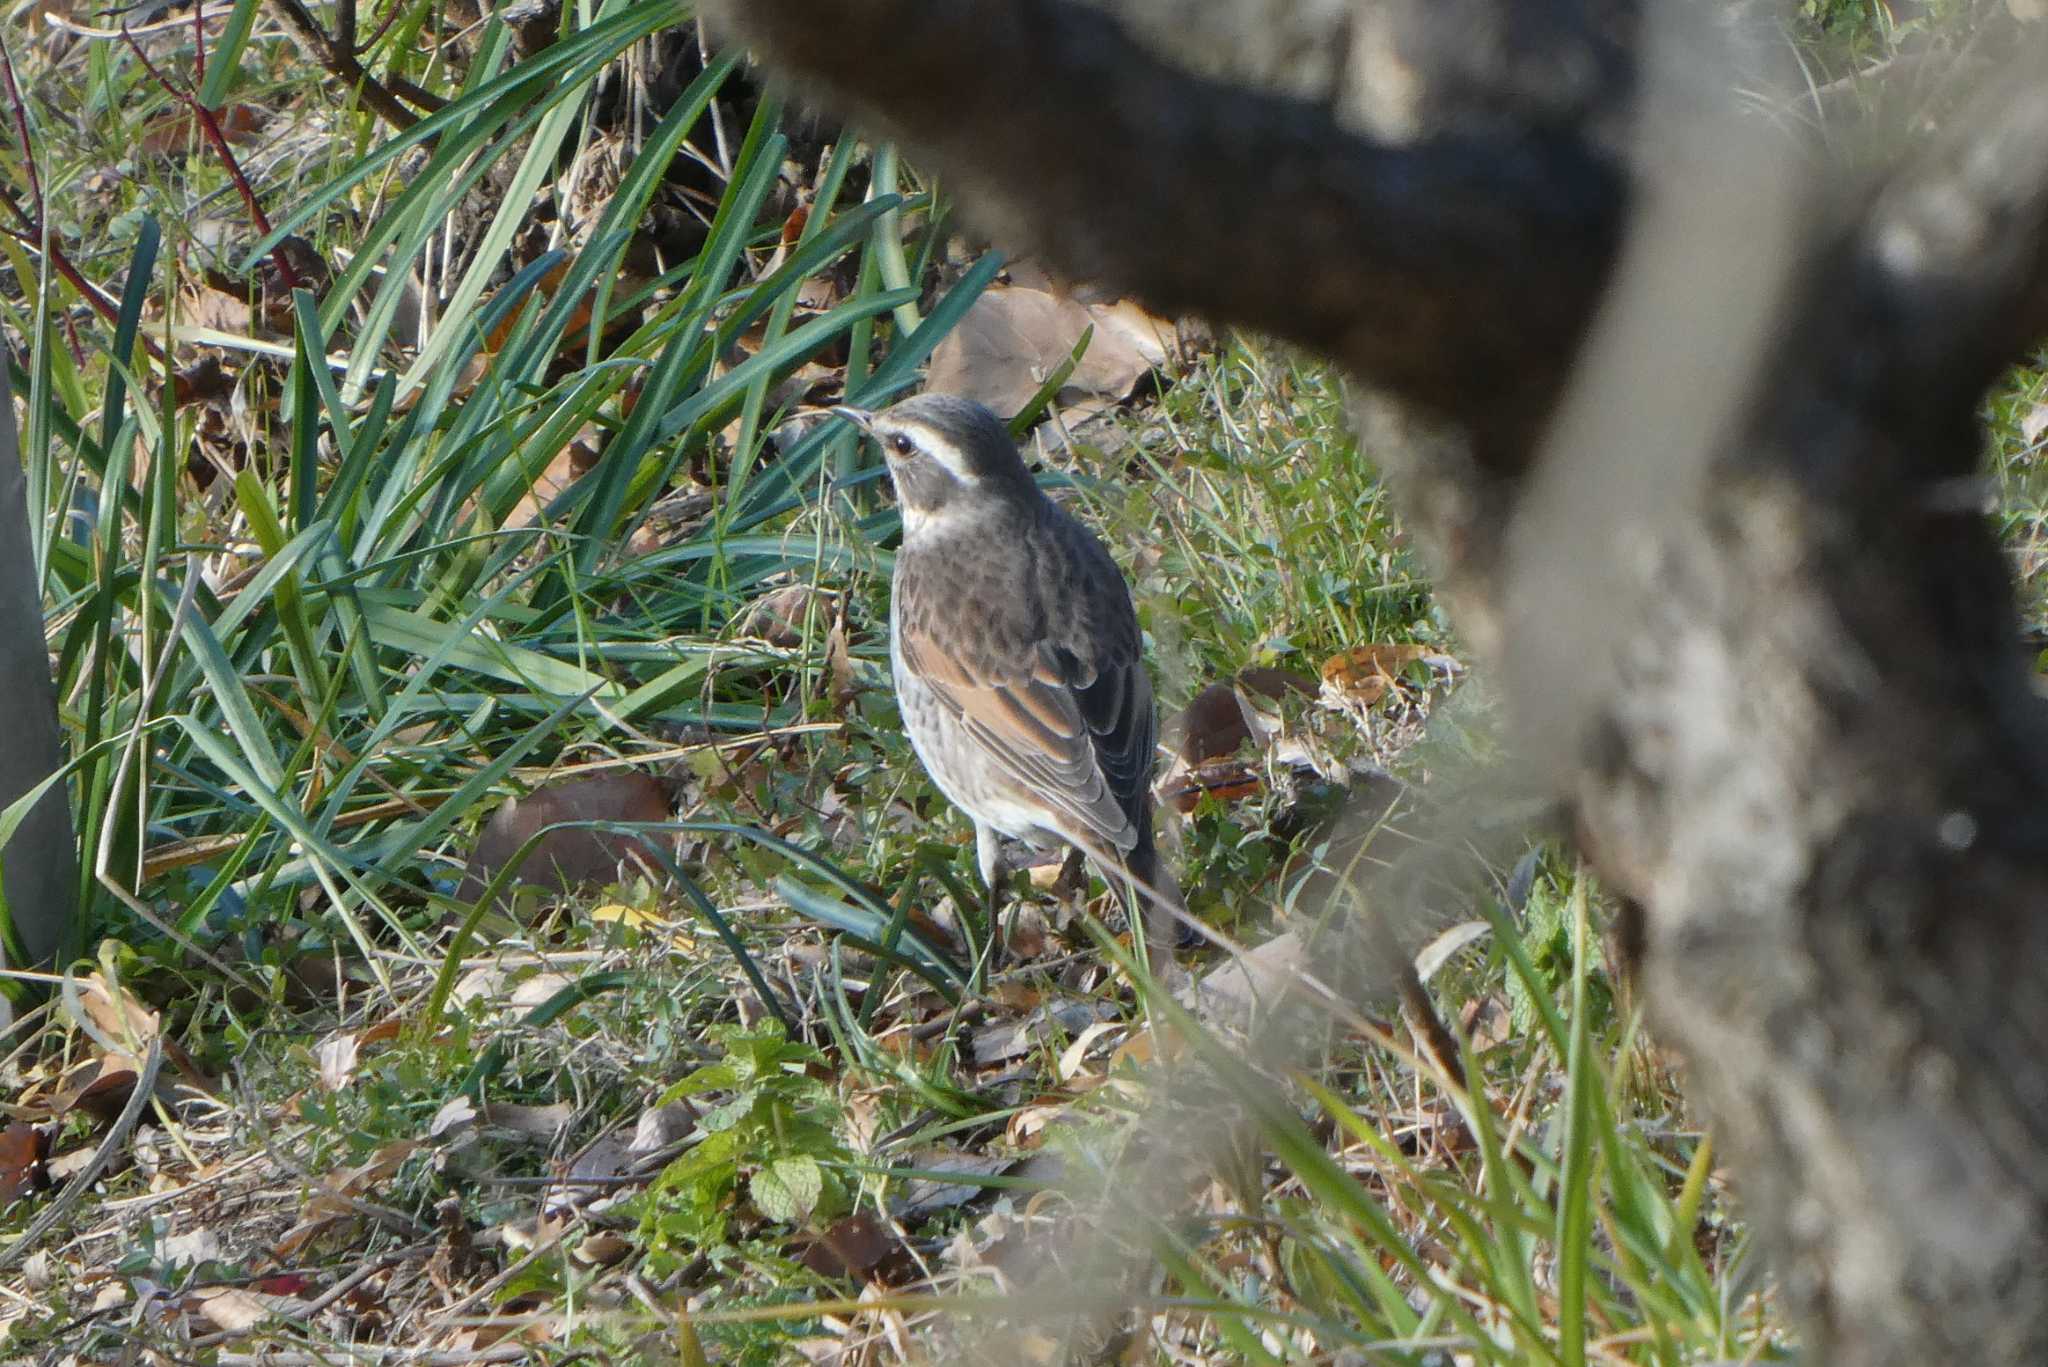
<point x="759" y="1094"/>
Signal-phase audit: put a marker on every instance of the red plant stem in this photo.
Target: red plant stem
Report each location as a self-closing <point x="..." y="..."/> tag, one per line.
<point x="104" y="306"/>
<point x="383" y="27"/>
<point x="32" y="229"/>
<point x="28" y="159"/>
<point x="78" y="351"/>
<point x="29" y="224"/>
<point x="100" y="302"/>
<point x="211" y="127"/>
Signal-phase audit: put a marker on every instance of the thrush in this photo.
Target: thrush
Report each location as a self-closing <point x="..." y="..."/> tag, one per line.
<point x="1016" y="654"/>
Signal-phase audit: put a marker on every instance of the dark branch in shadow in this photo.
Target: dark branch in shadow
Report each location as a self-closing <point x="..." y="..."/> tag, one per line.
<point x="1456" y="271"/>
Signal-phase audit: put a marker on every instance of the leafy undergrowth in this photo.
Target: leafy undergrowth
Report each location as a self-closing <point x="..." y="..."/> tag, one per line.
<point x="514" y="926"/>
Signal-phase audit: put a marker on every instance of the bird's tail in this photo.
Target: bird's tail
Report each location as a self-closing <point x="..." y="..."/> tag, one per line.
<point x="1168" y="926"/>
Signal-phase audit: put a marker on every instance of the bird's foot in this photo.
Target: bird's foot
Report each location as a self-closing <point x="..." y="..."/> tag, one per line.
<point x="1071" y="886"/>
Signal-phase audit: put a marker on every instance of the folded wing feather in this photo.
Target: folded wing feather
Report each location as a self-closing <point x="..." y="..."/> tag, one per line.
<point x="1080" y="737"/>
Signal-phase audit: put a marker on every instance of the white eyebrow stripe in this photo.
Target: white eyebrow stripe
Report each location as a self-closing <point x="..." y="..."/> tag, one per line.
<point x="945" y="453"/>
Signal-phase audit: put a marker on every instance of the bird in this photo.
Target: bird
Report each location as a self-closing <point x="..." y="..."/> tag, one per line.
<point x="1016" y="655"/>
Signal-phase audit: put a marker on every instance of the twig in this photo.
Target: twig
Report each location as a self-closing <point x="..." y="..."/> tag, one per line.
<point x="340" y="62"/>
<point x="64" y="23"/>
<point x="209" y="125"/>
<point x="501" y="1352"/>
<point x="82" y="1180"/>
<point x="34" y="230"/>
<point x="1432" y="1040"/>
<point x="430" y="102"/>
<point x="540" y="1250"/>
<point x="404" y="1225"/>
<point x="377" y="35"/>
<point x="387" y="1259"/>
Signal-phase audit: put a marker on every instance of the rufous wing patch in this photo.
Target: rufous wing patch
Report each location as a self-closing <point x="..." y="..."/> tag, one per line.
<point x="1032" y="729"/>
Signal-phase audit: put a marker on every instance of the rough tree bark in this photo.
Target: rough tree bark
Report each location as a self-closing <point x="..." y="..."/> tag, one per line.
<point x="1794" y="729"/>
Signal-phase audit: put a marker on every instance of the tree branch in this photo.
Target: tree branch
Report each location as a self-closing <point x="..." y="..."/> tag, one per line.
<point x="339" y="59"/>
<point x="1795" y="729"/>
<point x="1456" y="270"/>
<point x="1954" y="254"/>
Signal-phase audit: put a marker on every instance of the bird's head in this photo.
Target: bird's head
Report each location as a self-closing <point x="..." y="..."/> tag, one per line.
<point x="946" y="455"/>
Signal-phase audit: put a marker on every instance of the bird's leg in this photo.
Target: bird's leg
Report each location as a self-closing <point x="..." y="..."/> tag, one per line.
<point x="1159" y="905"/>
<point x="988" y="850"/>
<point x="1071" y="887"/>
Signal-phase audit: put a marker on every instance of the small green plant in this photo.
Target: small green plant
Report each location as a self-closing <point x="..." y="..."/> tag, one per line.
<point x="769" y="1143"/>
<point x="1547" y="940"/>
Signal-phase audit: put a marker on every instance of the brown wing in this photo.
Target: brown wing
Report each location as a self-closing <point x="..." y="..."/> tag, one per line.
<point x="1078" y="738"/>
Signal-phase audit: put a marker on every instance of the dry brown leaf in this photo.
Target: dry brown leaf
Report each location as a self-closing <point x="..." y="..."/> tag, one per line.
<point x="563" y="469"/>
<point x="24" y="1158"/>
<point x="124" y="1026"/>
<point x="335" y="1197"/>
<point x="1025" y="933"/>
<point x="595" y="1174"/>
<point x="1210" y="727"/>
<point x="603" y="1249"/>
<point x="237" y="1311"/>
<point x="1487" y="1023"/>
<point x="535" y="1122"/>
<point x="1138" y="1049"/>
<point x="340" y="1053"/>
<point x="218" y="310"/>
<point x="781" y="616"/>
<point x="1269" y="681"/>
<point x="523" y="1236"/>
<point x="565" y="859"/>
<point x="1227" y="781"/>
<point x="1017" y="995"/>
<point x="1076" y="1054"/>
<point x="858" y="1246"/>
<point x="1001" y="1041"/>
<point x="632" y="918"/>
<point x="337" y="1055"/>
<point x="1026" y="1129"/>
<point x="1257" y="979"/>
<point x="206" y="380"/>
<point x="457" y="1112"/>
<point x="579" y="318"/>
<point x="839" y="659"/>
<point x="191" y="1247"/>
<point x="1430" y="959"/>
<point x="925" y="1196"/>
<point x="1012" y="337"/>
<point x="179" y="129"/>
<point x="507" y="987"/>
<point x="98" y="1087"/>
<point x="1362" y="675"/>
<point x="1219" y="722"/>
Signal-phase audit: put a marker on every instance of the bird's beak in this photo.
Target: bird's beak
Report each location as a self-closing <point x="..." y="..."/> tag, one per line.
<point x="859" y="417"/>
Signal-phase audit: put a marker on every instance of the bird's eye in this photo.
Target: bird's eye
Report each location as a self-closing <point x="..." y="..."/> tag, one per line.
<point x="901" y="444"/>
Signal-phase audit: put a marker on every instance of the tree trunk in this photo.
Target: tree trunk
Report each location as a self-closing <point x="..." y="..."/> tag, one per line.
<point x="39" y="865"/>
<point x="1690" y="427"/>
